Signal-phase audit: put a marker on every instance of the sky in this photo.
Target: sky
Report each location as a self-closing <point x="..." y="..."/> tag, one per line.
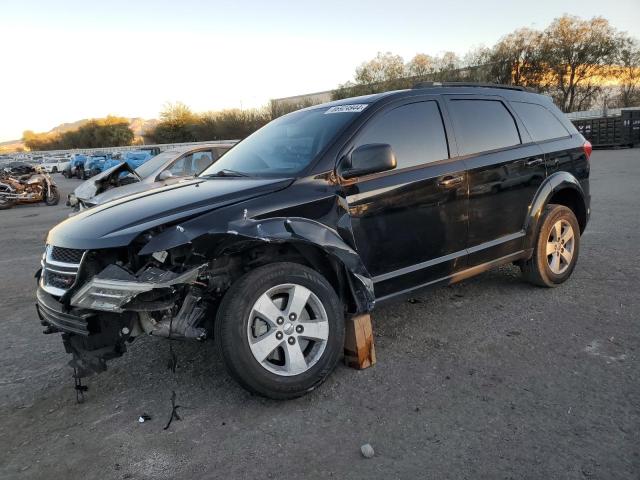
<point x="65" y="60"/>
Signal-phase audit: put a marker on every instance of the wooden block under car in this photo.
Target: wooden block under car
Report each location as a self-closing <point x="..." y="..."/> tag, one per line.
<point x="359" y="350"/>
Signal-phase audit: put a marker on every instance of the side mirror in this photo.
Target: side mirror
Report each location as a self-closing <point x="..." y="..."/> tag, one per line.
<point x="165" y="174"/>
<point x="367" y="159"/>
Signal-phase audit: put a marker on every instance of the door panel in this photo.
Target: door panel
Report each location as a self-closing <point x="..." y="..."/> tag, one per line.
<point x="501" y="188"/>
<point x="410" y="224"/>
<point x="409" y="228"/>
<point x="505" y="170"/>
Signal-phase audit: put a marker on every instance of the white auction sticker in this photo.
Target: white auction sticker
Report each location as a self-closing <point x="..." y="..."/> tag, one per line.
<point x="358" y="107"/>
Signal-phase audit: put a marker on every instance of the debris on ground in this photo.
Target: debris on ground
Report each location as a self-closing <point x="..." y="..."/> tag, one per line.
<point x="144" y="418"/>
<point x="174" y="410"/>
<point x="367" y="451"/>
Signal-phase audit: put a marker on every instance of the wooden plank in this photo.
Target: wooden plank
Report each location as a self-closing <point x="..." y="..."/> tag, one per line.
<point x="359" y="349"/>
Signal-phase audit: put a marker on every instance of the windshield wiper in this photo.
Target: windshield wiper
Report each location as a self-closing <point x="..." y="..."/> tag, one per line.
<point x="226" y="173"/>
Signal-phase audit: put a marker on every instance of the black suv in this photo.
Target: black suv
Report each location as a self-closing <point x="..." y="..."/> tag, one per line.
<point x="323" y="213"/>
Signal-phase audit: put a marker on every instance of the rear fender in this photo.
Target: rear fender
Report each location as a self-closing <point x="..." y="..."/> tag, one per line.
<point x="554" y="183"/>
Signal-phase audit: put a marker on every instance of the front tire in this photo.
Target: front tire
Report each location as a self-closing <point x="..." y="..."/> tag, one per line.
<point x="54" y="198"/>
<point x="556" y="248"/>
<point x="280" y="329"/>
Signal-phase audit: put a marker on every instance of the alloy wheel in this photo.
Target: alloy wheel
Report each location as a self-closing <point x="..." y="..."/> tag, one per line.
<point x="288" y="329"/>
<point x="560" y="246"/>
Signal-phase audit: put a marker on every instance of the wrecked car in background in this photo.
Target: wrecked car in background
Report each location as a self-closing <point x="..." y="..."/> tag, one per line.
<point x="23" y="183"/>
<point x="75" y="168"/>
<point x="322" y="213"/>
<point x="167" y="168"/>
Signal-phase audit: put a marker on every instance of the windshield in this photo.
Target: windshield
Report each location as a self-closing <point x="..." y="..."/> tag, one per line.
<point x="286" y="145"/>
<point x="156" y="162"/>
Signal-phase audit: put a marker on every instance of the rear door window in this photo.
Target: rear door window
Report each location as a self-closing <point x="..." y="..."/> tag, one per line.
<point x="482" y="125"/>
<point x="414" y="131"/>
<point x="540" y="122"/>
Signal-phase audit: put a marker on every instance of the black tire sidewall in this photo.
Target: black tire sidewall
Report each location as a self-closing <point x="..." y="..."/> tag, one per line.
<point x="231" y="330"/>
<point x="555" y="213"/>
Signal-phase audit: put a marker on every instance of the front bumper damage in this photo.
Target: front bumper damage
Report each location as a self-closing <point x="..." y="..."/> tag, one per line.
<point x="115" y="306"/>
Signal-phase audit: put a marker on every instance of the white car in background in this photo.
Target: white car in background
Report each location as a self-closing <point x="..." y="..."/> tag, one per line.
<point x="54" y="164"/>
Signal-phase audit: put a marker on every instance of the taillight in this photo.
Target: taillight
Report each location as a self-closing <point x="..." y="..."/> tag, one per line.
<point x="587" y="149"/>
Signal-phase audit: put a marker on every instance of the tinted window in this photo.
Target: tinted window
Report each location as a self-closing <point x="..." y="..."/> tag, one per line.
<point x="415" y="133"/>
<point x="540" y="122"/>
<point x="482" y="125"/>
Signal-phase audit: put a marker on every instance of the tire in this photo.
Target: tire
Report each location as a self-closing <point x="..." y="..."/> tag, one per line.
<point x="54" y="198"/>
<point x="6" y="204"/>
<point x="239" y="328"/>
<point x="555" y="251"/>
<point x="54" y="170"/>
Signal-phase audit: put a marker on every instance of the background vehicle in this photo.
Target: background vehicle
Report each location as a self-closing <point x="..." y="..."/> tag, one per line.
<point x="94" y="164"/>
<point x="55" y="164"/>
<point x="322" y="213"/>
<point x="124" y="178"/>
<point x="23" y="183"/>
<point x="133" y="158"/>
<point x="76" y="166"/>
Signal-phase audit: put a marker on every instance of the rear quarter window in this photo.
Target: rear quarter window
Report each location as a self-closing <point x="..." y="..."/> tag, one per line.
<point x="482" y="125"/>
<point x="540" y="122"/>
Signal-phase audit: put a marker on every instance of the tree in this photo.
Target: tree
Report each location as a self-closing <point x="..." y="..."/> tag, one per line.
<point x="176" y="124"/>
<point x="421" y="65"/>
<point x="575" y="54"/>
<point x="629" y="73"/>
<point x="384" y="68"/>
<point x="515" y="59"/>
<point x="105" y="132"/>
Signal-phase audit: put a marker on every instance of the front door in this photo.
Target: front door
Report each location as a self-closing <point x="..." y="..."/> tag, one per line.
<point x="410" y="223"/>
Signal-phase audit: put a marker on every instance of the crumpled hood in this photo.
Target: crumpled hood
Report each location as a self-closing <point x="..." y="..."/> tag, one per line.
<point x="118" y="222"/>
<point x="121" y="192"/>
<point x="95" y="185"/>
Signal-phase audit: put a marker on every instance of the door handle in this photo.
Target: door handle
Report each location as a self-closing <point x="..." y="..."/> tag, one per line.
<point x="535" y="162"/>
<point x="450" y="181"/>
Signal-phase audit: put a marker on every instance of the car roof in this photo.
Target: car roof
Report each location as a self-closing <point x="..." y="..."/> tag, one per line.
<point x="507" y="91"/>
<point x="186" y="148"/>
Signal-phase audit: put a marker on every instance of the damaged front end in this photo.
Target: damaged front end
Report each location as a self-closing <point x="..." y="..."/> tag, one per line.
<point x="169" y="280"/>
<point x="101" y="301"/>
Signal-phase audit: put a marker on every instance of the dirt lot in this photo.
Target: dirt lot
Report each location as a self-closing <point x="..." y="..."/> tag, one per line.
<point x="491" y="378"/>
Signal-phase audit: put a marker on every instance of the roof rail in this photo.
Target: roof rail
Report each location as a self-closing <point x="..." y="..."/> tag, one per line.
<point x="468" y="84"/>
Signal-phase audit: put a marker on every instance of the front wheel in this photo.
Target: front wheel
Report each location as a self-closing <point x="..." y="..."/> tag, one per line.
<point x="280" y="329"/>
<point x="53" y="198"/>
<point x="556" y="248"/>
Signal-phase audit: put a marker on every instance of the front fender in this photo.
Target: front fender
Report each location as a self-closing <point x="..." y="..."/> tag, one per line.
<point x="554" y="183"/>
<point x="279" y="230"/>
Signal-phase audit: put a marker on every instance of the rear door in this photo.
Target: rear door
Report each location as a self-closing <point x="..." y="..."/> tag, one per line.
<point x="561" y="151"/>
<point x="410" y="223"/>
<point x="505" y="169"/>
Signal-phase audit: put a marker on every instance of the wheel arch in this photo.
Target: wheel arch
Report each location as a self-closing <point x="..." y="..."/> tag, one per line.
<point x="282" y="239"/>
<point x="560" y="188"/>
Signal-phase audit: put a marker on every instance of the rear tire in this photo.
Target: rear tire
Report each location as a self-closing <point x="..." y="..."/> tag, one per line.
<point x="288" y="314"/>
<point x="556" y="248"/>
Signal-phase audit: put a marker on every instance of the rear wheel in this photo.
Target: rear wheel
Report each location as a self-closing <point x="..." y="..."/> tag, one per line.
<point x="556" y="248"/>
<point x="280" y="329"/>
<point x="54" y="170"/>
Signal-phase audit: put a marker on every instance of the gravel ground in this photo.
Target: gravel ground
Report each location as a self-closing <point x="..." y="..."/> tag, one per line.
<point x="490" y="378"/>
